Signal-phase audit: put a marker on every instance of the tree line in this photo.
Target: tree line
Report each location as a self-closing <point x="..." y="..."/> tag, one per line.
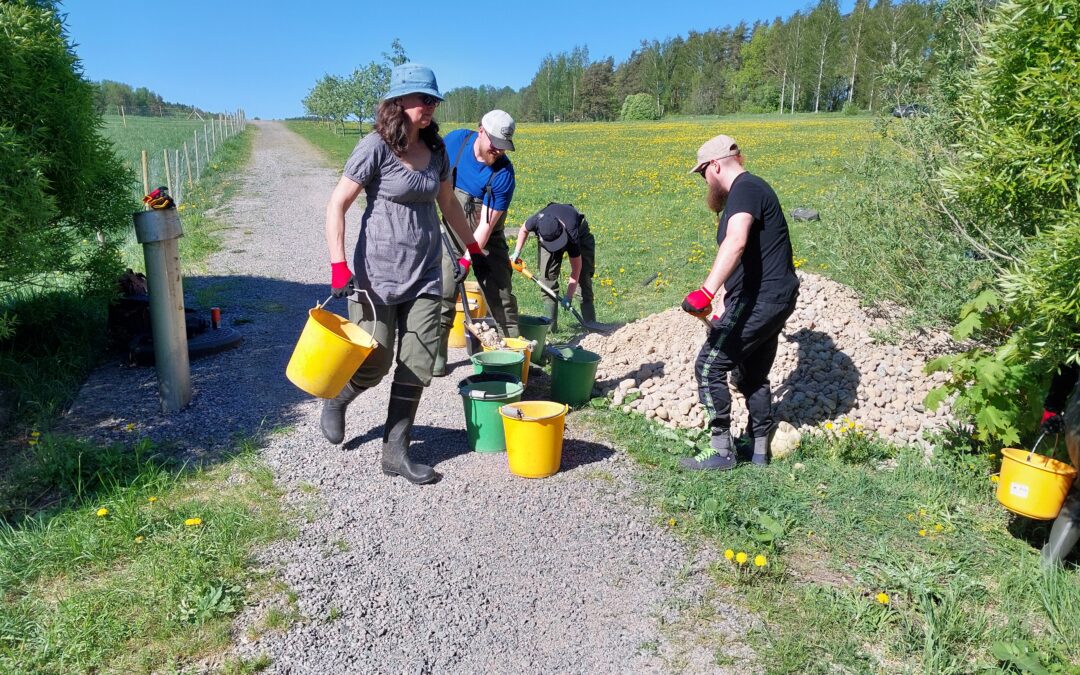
<point x="110" y="97"/>
<point x="337" y="99"/>
<point x="877" y="56"/>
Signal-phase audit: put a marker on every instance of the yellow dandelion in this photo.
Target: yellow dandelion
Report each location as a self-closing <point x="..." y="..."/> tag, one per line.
<point x="922" y="533"/>
<point x="938" y="527"/>
<point x="671" y="522"/>
<point x="760" y="561"/>
<point x="729" y="554"/>
<point x="102" y="512"/>
<point x="193" y="522"/>
<point x="130" y="427"/>
<point x="910" y="517"/>
<point x="828" y="425"/>
<point x="151" y="499"/>
<point x="35" y="434"/>
<point x="740" y="558"/>
<point x="32" y="441"/>
<point x="883" y="598"/>
<point x="140" y="539"/>
<point x="995" y="478"/>
<point x="922" y="512"/>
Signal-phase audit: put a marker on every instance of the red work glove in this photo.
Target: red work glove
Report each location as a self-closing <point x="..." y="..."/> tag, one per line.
<point x="341" y="279"/>
<point x="1052" y="422"/>
<point x="698" y="302"/>
<point x="463" y="263"/>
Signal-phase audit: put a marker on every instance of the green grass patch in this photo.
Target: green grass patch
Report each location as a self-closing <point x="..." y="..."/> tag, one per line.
<point x="897" y="562"/>
<point x="124" y="562"/>
<point x="655" y="237"/>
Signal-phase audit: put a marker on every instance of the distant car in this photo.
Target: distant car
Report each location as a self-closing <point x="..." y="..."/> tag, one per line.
<point x="910" y="110"/>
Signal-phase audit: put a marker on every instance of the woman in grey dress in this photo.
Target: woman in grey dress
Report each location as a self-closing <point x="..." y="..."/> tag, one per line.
<point x="403" y="171"/>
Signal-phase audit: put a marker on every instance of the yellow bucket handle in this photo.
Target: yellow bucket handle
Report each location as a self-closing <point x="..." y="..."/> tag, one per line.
<point x="353" y="297"/>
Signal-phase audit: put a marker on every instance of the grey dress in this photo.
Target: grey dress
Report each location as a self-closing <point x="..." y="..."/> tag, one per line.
<point x="399" y="249"/>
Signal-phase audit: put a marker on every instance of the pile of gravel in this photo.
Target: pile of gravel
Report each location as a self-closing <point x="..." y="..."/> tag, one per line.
<point x="829" y="368"/>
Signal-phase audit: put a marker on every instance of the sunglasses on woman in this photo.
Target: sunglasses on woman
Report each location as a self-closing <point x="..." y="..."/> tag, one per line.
<point x="428" y="99"/>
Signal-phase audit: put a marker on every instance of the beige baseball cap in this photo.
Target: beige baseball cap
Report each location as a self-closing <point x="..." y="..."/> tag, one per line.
<point x="500" y="129"/>
<point x="717" y="147"/>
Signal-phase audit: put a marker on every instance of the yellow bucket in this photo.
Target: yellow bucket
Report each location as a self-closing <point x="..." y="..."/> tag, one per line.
<point x="534" y="437"/>
<point x="329" y="351"/>
<point x="1033" y="485"/>
<point x="457" y="331"/>
<point x="472" y="289"/>
<point x="517" y="345"/>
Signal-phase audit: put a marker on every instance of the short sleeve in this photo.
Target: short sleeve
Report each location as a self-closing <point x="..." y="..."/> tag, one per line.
<point x="365" y="160"/>
<point x="573" y="249"/>
<point x="746" y="198"/>
<point x="530" y="223"/>
<point x="444" y="166"/>
<point x="502" y="189"/>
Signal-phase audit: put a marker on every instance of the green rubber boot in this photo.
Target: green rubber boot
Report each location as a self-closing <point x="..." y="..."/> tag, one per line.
<point x="439" y="370"/>
<point x="332" y="420"/>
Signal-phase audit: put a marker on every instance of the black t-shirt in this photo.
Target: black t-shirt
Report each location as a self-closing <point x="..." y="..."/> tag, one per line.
<point x="766" y="271"/>
<point x="573" y="221"/>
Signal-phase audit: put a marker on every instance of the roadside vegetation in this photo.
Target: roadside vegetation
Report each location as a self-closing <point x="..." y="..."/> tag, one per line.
<point x="112" y="558"/>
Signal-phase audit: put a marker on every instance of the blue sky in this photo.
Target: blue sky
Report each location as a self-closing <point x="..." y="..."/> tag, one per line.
<point x="265" y="56"/>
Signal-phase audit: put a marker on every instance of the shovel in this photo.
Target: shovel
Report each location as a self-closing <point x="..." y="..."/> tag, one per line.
<point x="594" y="327"/>
<point x="469" y="325"/>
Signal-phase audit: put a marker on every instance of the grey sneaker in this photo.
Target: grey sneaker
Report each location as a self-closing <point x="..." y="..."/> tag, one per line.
<point x="715" y="462"/>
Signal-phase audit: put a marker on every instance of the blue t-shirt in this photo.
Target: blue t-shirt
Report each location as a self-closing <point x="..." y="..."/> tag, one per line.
<point x="472" y="175"/>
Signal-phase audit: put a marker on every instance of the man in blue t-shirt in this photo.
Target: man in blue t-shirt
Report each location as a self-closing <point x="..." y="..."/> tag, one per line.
<point x="754" y="266"/>
<point x="484" y="183"/>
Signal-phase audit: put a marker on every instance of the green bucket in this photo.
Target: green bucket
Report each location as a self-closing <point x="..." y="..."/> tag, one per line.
<point x="573" y="373"/>
<point x="483" y="396"/>
<point x="535" y="328"/>
<point x="499" y="361"/>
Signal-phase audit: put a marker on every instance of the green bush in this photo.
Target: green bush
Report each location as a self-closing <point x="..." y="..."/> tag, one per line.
<point x="63" y="195"/>
<point x="1012" y="191"/>
<point x="639" y="107"/>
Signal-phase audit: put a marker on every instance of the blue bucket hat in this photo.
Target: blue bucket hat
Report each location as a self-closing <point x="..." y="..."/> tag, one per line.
<point x="412" y="78"/>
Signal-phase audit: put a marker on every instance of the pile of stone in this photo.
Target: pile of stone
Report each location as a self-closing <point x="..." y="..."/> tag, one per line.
<point x="829" y="368"/>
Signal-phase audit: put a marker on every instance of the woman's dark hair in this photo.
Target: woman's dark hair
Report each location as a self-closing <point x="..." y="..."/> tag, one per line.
<point x="393" y="125"/>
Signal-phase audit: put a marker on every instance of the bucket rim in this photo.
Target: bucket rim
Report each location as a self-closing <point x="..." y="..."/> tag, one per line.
<point x="562" y="412"/>
<point x="477" y="394"/>
<point x="369" y="339"/>
<point x="517" y="353"/>
<point x="1049" y="464"/>
<point x="559" y="352"/>
<point x="534" y="320"/>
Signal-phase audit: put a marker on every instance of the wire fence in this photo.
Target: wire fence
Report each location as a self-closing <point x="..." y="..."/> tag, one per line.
<point x="175" y="157"/>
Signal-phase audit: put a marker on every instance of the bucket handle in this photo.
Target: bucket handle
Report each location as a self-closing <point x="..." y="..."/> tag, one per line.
<point x="353" y="297"/>
<point x="1034" y="447"/>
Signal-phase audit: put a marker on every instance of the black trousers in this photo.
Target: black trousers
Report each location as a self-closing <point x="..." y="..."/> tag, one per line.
<point x="743" y="342"/>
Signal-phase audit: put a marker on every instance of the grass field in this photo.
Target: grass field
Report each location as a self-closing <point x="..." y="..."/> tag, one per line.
<point x="152" y="134"/>
<point x="655" y="237"/>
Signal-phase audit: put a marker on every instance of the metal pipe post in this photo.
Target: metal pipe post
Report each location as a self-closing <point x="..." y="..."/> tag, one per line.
<point x="158" y="230"/>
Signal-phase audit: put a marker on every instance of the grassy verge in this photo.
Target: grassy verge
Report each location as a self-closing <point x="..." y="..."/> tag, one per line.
<point x="136" y="565"/>
<point x="61" y="335"/>
<point x="873" y="558"/>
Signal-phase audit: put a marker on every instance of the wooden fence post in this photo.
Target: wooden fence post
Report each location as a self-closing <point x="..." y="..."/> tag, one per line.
<point x="168" y="175"/>
<point x="206" y="144"/>
<point x="123" y="116"/>
<point x="145" y="176"/>
<point x="187" y="161"/>
<point x="176" y="172"/>
<point x="198" y="171"/>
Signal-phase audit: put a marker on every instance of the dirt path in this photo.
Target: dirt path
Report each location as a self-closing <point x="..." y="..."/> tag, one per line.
<point x="481" y="572"/>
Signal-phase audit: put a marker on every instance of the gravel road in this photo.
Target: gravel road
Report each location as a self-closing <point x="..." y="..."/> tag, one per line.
<point x="481" y="572"/>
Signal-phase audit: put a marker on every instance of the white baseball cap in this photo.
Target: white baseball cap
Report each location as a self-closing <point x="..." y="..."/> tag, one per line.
<point x="499" y="127"/>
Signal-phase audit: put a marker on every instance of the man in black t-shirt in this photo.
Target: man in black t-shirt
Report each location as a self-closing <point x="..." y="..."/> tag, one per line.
<point x="754" y="266"/>
<point x="561" y="228"/>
